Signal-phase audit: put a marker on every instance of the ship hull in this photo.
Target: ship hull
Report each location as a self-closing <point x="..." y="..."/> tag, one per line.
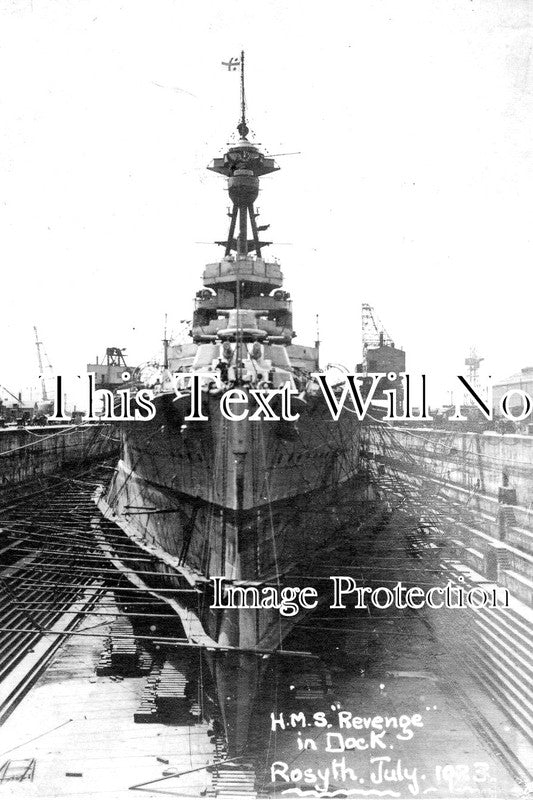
<point x="227" y="497"/>
<point x="250" y="502"/>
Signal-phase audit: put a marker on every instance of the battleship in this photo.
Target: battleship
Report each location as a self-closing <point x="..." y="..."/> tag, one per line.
<point x="249" y="500"/>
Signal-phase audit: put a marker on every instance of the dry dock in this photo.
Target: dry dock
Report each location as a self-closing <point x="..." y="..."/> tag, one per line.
<point x="99" y="697"/>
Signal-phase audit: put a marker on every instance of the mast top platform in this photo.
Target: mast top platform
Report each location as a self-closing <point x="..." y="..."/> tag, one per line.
<point x="243" y="154"/>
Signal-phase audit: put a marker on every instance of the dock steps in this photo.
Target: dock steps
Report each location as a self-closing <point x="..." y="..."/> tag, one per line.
<point x="487" y="544"/>
<point x="46" y="561"/>
<point x="497" y="650"/>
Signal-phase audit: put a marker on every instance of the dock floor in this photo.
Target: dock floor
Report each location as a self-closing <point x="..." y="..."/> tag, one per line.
<point x="447" y="756"/>
<point x="79" y="728"/>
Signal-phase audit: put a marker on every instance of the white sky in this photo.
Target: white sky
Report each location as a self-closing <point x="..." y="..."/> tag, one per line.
<point x="413" y="190"/>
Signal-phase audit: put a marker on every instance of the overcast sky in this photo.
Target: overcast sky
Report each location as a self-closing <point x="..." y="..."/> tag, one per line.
<point x="412" y="190"/>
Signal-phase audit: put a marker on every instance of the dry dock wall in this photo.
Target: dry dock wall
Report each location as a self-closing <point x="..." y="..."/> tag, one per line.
<point x="27" y="454"/>
<point x="472" y="494"/>
<point x="482" y="461"/>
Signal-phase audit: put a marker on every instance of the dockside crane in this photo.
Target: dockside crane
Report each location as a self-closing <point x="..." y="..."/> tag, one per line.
<point x="473" y="362"/>
<point x="40" y="350"/>
<point x="9" y="392"/>
<point x="374" y="334"/>
<point x="380" y="355"/>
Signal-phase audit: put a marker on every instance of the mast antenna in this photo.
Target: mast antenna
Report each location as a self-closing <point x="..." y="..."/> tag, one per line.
<point x="242" y="127"/>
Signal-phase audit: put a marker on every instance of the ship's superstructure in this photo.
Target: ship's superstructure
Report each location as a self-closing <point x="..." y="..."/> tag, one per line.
<point x="248" y="500"/>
